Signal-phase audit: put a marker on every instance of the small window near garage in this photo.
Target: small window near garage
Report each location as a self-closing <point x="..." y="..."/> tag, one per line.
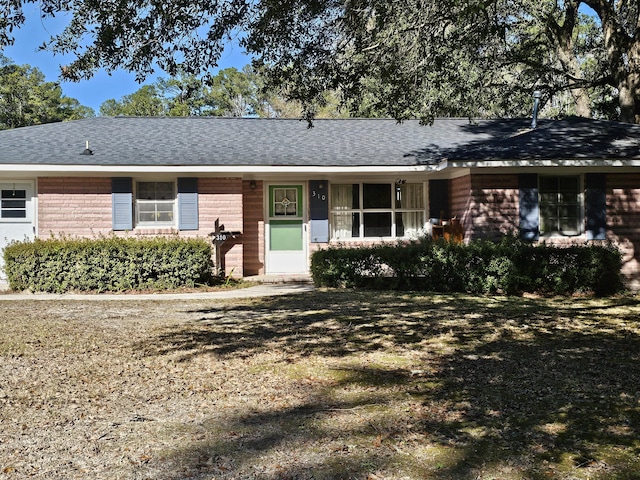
<point x="377" y="210"/>
<point x="13" y="204"/>
<point x="155" y="203"/>
<point x="560" y="205"/>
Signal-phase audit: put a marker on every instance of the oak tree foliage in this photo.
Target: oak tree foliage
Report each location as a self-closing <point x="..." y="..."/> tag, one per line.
<point x="405" y="58"/>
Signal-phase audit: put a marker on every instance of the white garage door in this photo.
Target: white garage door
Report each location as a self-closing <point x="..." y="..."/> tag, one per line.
<point x="16" y="215"/>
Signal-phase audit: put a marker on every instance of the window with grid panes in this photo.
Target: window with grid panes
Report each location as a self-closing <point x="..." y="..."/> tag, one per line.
<point x="377" y="210"/>
<point x="560" y="205"/>
<point x="155" y="203"/>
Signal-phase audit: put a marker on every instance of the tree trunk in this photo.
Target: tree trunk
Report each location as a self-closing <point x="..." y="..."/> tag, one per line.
<point x="572" y="68"/>
<point x="628" y="76"/>
<point x="628" y="98"/>
<point x="623" y="50"/>
<point x="562" y="35"/>
<point x="582" y="101"/>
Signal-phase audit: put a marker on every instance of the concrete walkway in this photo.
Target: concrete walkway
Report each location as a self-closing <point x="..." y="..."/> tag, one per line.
<point x="261" y="290"/>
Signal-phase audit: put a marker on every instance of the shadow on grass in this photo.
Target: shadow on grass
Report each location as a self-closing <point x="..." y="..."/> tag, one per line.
<point x="562" y="399"/>
<point x="336" y="324"/>
<point x="510" y="387"/>
<point x="291" y="432"/>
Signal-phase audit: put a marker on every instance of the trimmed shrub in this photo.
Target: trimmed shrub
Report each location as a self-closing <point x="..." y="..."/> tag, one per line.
<point x="60" y="265"/>
<point x="511" y="266"/>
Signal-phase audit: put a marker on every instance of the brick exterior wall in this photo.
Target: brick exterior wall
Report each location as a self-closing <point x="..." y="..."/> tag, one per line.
<point x="459" y="189"/>
<point x="623" y="222"/>
<point x="81" y="207"/>
<point x="253" y="228"/>
<point x="491" y="210"/>
<point x="74" y="206"/>
<point x="487" y="205"/>
<point x="221" y="199"/>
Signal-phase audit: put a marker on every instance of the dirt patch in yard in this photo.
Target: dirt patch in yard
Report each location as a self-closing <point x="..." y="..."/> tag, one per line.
<point x="324" y="385"/>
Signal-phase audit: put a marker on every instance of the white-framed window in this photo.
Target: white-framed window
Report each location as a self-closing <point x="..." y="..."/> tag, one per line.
<point x="377" y="210"/>
<point x="155" y="203"/>
<point x="560" y="205"/>
<point x="13" y="203"/>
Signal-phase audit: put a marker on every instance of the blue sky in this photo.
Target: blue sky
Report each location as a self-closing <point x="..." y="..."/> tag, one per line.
<point x="101" y="87"/>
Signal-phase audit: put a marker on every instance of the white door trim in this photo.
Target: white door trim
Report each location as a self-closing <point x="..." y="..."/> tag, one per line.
<point x="283" y="262"/>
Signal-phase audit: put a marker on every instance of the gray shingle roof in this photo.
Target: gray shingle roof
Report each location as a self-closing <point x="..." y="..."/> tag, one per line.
<point x="571" y="138"/>
<point x="210" y="141"/>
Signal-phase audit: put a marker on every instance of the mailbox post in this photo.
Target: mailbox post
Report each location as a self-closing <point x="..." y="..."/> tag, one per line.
<point x="218" y="237"/>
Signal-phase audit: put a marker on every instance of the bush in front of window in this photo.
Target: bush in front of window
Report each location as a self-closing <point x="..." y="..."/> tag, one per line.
<point x="511" y="266"/>
<point x="59" y="265"/>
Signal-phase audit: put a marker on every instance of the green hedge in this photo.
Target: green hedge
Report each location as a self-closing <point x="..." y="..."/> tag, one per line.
<point x="511" y="266"/>
<point x="107" y="264"/>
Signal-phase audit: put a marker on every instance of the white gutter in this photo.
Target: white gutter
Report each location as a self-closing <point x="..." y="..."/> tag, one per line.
<point x="575" y="162"/>
<point x="315" y="169"/>
<point x="219" y="169"/>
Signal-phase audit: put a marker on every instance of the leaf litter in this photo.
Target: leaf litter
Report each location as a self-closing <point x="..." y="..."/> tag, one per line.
<point x="327" y="385"/>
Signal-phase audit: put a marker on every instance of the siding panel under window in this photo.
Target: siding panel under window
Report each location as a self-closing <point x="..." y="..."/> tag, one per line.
<point x="187" y="203"/>
<point x="122" y="203"/>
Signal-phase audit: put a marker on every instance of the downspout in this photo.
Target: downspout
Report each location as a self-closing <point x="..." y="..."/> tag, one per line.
<point x="536" y="105"/>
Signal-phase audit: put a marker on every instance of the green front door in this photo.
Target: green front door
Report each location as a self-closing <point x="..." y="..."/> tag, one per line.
<point x="286" y="233"/>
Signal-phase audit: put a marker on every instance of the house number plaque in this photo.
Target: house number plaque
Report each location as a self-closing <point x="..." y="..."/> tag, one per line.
<point x="319" y="210"/>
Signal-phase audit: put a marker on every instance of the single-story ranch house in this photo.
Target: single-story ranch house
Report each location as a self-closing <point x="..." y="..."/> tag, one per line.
<point x="285" y="190"/>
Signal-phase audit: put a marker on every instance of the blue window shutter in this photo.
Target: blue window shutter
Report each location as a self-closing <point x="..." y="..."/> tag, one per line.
<point x="529" y="207"/>
<point x="596" y="206"/>
<point x="319" y="210"/>
<point x="122" y="203"/>
<point x="187" y="204"/>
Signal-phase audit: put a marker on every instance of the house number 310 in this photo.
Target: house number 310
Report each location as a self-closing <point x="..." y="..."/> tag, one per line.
<point x="319" y="196"/>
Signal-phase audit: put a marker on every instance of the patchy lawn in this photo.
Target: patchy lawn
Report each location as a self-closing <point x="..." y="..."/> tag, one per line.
<point x="324" y="385"/>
